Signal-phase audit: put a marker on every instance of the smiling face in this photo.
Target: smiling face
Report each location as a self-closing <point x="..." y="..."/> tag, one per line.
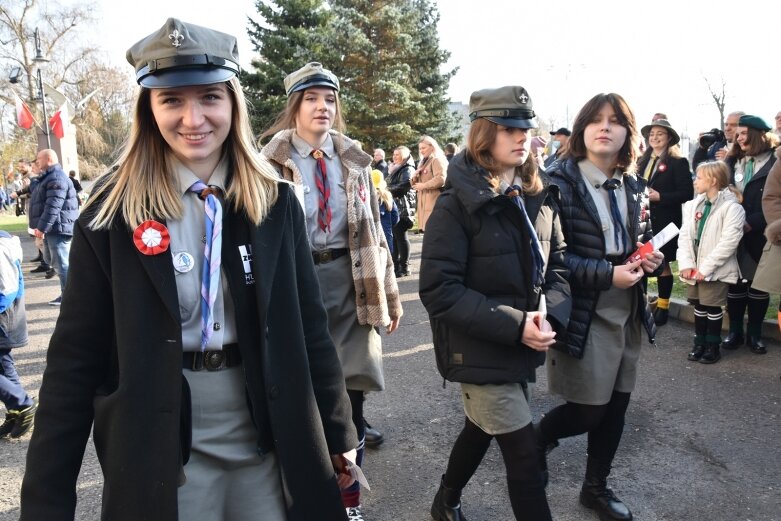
<point x="604" y="136"/>
<point x="316" y="114"/>
<point x="741" y="138"/>
<point x="510" y="147"/>
<point x="194" y="121"/>
<point x="658" y="138"/>
<point x="425" y="149"/>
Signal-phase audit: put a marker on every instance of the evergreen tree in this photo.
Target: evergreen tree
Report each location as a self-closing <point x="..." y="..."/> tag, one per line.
<point x="291" y="35"/>
<point x="384" y="52"/>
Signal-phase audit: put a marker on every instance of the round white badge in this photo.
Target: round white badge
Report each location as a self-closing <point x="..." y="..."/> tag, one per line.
<point x="183" y="262"/>
<point x="738" y="177"/>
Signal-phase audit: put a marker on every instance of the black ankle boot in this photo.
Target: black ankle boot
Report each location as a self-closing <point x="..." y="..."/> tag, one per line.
<point x="595" y="495"/>
<point x="733" y="341"/>
<point x="447" y="504"/>
<point x="698" y="351"/>
<point x="712" y="354"/>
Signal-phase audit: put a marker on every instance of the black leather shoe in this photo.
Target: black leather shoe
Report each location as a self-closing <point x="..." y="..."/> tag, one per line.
<point x="39" y="258"/>
<point x="50" y="273"/>
<point x="660" y="316"/>
<point x="39" y="269"/>
<point x="732" y="342"/>
<point x="697" y="352"/>
<point x="756" y="345"/>
<point x="606" y="504"/>
<point x="372" y="437"/>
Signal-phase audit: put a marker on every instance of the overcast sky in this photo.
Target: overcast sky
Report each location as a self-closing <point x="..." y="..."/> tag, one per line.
<point x="655" y="53"/>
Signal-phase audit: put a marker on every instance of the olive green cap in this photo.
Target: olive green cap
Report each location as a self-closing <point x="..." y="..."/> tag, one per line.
<point x="181" y="54"/>
<point x="510" y="106"/>
<point x="310" y="75"/>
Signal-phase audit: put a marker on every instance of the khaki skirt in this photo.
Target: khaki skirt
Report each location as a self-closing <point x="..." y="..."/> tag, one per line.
<point x="497" y="409"/>
<point x="610" y="356"/>
<point x="768" y="275"/>
<point x="708" y="293"/>
<point x="359" y="346"/>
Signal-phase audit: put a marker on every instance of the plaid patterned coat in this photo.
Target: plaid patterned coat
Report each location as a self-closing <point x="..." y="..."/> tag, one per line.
<point x="376" y="291"/>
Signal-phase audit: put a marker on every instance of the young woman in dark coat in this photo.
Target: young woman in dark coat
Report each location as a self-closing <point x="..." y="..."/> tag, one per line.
<point x="669" y="181"/>
<point x="223" y="412"/>
<point x="493" y="248"/>
<point x="750" y="159"/>
<point x="605" y="218"/>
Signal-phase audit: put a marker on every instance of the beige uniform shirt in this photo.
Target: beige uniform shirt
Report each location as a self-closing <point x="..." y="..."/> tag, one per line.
<point x="594" y="178"/>
<point x="187" y="244"/>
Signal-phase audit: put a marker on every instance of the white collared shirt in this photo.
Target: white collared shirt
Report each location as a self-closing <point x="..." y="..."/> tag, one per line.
<point x="595" y="178"/>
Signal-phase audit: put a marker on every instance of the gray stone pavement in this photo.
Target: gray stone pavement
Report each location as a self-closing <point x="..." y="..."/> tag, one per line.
<point x="701" y="442"/>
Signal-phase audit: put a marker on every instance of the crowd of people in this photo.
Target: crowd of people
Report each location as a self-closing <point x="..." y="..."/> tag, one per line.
<point x="240" y="286"/>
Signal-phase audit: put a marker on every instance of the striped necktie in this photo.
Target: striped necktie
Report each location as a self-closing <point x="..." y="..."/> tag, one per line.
<point x="212" y="253"/>
<point x="321" y="180"/>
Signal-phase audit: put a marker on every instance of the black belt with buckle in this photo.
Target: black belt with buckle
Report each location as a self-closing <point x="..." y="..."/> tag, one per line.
<point x="229" y="356"/>
<point x="323" y="256"/>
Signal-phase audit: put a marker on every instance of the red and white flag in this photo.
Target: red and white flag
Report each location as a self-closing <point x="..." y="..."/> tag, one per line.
<point x="24" y="118"/>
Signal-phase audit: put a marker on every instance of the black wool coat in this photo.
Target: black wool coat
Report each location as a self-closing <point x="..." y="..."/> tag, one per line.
<point x="673" y="180"/>
<point x="115" y="359"/>
<point x="475" y="278"/>
<point x="590" y="272"/>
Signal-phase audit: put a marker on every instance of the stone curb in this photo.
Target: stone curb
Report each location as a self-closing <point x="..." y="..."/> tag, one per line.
<point x="681" y="310"/>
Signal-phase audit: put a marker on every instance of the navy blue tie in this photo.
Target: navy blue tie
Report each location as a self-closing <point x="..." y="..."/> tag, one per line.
<point x="615" y="214"/>
<point x="515" y="192"/>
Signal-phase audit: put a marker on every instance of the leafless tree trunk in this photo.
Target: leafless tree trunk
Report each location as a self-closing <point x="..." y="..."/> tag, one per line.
<point x="719" y="98"/>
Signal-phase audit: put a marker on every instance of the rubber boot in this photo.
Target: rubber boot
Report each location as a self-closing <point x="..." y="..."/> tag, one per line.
<point x="595" y="495"/>
<point x="447" y="504"/>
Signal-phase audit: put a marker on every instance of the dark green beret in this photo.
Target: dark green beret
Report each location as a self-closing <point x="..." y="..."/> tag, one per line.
<point x="753" y="122"/>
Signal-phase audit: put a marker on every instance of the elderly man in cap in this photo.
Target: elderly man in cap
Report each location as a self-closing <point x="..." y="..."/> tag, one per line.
<point x="558" y="144"/>
<point x="751" y="159"/>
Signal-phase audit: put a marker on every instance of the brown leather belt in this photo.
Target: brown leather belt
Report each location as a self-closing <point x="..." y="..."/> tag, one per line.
<point x="323" y="256"/>
<point x="229" y="356"/>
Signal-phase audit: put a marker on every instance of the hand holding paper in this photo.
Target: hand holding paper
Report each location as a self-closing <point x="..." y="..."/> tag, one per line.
<point x="649" y="252"/>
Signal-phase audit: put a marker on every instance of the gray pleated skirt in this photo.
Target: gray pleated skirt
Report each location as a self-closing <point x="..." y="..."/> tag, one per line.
<point x="610" y="356"/>
<point x="226" y="478"/>
<point x="497" y="409"/>
<point x="359" y="346"/>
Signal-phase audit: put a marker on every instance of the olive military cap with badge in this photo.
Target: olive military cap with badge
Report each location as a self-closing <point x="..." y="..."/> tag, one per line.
<point x="509" y="106"/>
<point x="310" y="75"/>
<point x="181" y="54"/>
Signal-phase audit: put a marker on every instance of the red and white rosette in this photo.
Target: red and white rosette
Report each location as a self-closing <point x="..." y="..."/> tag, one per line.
<point x="151" y="238"/>
<point x="698" y="216"/>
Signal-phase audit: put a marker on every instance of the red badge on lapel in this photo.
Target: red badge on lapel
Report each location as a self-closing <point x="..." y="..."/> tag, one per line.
<point x="151" y="238"/>
<point x="362" y="193"/>
<point x="698" y="216"/>
<point x="662" y="167"/>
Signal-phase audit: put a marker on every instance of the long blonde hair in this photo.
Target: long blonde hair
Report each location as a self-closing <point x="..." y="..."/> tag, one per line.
<point x="143" y="185"/>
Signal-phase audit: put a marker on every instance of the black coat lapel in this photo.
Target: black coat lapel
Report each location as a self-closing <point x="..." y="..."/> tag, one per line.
<point x="160" y="270"/>
<point x="268" y="239"/>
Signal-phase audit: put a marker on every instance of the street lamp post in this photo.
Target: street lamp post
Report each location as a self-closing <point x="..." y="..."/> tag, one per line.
<point x="40" y="60"/>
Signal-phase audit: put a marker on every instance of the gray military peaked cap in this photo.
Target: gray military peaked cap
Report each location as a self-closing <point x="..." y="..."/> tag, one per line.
<point x="181" y="54"/>
<point x="509" y="106"/>
<point x="310" y="75"/>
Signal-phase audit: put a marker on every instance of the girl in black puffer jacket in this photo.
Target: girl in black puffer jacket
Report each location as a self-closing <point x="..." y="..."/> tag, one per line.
<point x="493" y="246"/>
<point x="604" y="217"/>
<point x="399" y="173"/>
